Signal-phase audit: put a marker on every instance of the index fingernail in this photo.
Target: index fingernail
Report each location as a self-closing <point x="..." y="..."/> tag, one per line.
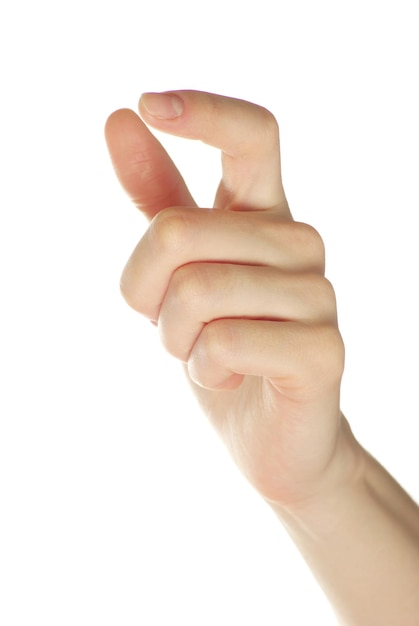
<point x="164" y="106"/>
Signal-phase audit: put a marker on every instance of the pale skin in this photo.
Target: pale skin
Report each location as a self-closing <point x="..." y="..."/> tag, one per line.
<point x="239" y="296"/>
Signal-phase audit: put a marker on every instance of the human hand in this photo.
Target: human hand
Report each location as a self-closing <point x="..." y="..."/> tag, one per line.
<point x="238" y="292"/>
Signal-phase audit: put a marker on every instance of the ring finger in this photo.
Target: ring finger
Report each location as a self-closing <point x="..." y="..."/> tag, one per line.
<point x="200" y="293"/>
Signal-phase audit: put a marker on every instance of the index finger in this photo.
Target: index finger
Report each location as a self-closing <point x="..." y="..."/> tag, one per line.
<point x="142" y="165"/>
<point x="247" y="135"/>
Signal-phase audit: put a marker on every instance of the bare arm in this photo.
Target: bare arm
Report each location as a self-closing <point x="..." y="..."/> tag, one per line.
<point x="361" y="541"/>
<point x="239" y="296"/>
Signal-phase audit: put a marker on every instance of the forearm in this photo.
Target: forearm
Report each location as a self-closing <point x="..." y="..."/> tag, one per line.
<point x="362" y="545"/>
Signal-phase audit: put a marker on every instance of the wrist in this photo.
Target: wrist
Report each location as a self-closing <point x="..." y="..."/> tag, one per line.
<point x="346" y="474"/>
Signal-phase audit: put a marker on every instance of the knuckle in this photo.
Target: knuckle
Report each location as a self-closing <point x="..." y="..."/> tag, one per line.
<point x="128" y="291"/>
<point x="324" y="295"/>
<point x="189" y="285"/>
<point x="218" y="341"/>
<point x="208" y="363"/>
<point x="331" y="353"/>
<point x="269" y="123"/>
<point x="320" y="363"/>
<point x="262" y="133"/>
<point x="169" y="229"/>
<point x="330" y="296"/>
<point x="309" y="240"/>
<point x="266" y="130"/>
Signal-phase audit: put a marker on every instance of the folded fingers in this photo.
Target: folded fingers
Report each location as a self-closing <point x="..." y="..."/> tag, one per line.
<point x="181" y="236"/>
<point x="200" y="293"/>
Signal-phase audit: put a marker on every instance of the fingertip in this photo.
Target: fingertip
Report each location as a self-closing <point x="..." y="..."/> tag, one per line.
<point x="118" y="125"/>
<point x="229" y="383"/>
<point x="119" y="116"/>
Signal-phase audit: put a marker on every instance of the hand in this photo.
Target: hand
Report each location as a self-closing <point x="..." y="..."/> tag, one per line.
<point x="238" y="292"/>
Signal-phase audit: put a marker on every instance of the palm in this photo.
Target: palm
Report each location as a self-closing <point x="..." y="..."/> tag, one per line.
<point x="268" y="435"/>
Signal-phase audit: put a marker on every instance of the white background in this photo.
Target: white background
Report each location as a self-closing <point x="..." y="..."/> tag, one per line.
<point x="118" y="503"/>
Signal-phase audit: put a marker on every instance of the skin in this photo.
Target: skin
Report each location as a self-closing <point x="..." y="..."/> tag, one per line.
<point x="239" y="296"/>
